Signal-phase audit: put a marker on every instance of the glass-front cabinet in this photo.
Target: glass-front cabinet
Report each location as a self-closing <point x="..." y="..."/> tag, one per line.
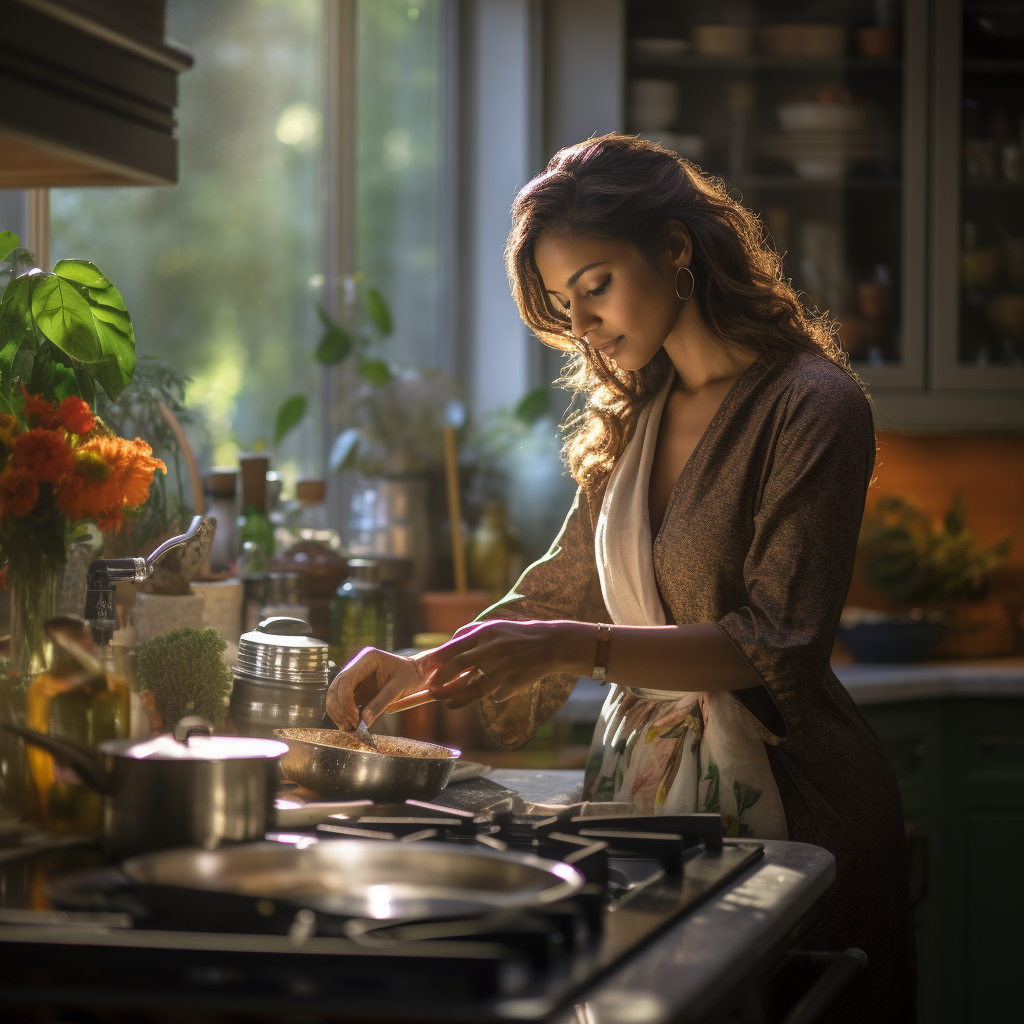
<point x="880" y="142"/>
<point x="978" y="195"/>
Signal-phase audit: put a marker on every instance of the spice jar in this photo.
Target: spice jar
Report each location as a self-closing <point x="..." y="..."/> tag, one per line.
<point x="362" y="612"/>
<point x="75" y="699"/>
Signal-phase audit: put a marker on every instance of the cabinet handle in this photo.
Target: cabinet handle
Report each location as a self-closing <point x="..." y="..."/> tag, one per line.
<point x="917" y="840"/>
<point x="821" y="996"/>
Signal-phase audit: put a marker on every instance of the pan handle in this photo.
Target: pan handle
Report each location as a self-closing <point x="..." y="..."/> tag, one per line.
<point x="77" y="756"/>
<point x="193" y="725"/>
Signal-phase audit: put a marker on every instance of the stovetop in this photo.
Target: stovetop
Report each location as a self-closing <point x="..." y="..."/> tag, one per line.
<point x="641" y="873"/>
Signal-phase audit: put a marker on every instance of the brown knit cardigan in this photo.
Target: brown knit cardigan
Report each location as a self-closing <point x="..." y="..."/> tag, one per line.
<point x="759" y="537"/>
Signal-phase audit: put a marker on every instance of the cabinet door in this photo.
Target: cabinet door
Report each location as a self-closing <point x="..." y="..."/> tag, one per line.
<point x="815" y="116"/>
<point x="977" y="263"/>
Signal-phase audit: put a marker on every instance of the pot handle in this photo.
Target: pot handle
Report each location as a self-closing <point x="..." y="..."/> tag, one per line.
<point x="81" y="758"/>
<point x="193" y="725"/>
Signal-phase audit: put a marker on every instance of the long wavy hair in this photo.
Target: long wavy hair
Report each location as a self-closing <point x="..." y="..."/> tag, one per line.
<point x="618" y="186"/>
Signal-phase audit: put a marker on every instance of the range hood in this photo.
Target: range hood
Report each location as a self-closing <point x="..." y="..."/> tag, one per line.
<point x="87" y="93"/>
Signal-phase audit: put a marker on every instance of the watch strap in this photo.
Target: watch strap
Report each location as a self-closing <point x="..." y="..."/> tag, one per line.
<point x="604" y="636"/>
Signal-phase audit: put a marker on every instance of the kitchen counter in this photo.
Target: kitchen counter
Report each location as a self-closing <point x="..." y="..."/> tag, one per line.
<point x="934" y="680"/>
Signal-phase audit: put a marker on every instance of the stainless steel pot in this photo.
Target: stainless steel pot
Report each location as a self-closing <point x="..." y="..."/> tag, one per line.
<point x="366" y="879"/>
<point x="402" y="770"/>
<point x="185" y="790"/>
<point x="281" y="679"/>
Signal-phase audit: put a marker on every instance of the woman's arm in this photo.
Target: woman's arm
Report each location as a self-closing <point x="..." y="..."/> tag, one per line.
<point x="514" y="655"/>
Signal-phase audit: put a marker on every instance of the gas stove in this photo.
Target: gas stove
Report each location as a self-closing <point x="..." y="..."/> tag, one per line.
<point x="270" y="954"/>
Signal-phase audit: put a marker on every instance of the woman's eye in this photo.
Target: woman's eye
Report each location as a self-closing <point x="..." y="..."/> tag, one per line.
<point x="601" y="287"/>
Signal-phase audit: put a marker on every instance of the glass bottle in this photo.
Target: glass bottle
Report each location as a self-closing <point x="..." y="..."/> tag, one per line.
<point x="78" y="700"/>
<point x="254" y="525"/>
<point x="494" y="553"/>
<point x="362" y="613"/>
<point x="306" y="518"/>
<point x="222" y="486"/>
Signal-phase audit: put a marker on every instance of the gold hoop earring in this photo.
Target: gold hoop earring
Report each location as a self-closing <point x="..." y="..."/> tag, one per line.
<point x="693" y="284"/>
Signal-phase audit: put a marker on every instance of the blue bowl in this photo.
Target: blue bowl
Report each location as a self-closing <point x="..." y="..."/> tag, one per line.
<point x="896" y="641"/>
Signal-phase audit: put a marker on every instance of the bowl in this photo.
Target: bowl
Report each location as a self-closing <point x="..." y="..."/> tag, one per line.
<point x="722" y="40"/>
<point x="816" y="117"/>
<point x="892" y="640"/>
<point x="878" y="43"/>
<point x="797" y="40"/>
<point x="657" y="48"/>
<point x="653" y="103"/>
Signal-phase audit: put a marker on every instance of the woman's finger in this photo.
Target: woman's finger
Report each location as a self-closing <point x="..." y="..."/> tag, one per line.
<point x="341" y="703"/>
<point x="401" y="677"/>
<point x="479" y="686"/>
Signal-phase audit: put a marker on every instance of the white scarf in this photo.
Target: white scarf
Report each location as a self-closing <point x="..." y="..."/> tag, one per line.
<point x="723" y="768"/>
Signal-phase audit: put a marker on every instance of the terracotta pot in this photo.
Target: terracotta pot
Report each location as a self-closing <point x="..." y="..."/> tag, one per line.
<point x="978" y="629"/>
<point x="445" y="611"/>
<point x="878" y="43"/>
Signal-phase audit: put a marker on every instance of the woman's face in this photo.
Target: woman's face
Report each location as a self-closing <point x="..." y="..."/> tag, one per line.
<point x="614" y="297"/>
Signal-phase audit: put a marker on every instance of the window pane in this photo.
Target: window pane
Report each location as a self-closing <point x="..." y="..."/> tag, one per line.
<point x="399" y="92"/>
<point x="220" y="272"/>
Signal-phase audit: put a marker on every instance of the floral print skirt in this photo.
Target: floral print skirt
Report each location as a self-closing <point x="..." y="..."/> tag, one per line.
<point x="677" y="753"/>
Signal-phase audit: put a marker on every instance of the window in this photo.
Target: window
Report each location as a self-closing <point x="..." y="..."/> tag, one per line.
<point x="221" y="272"/>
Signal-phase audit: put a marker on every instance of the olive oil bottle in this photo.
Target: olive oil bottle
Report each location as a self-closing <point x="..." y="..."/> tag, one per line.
<point x="78" y="700"/>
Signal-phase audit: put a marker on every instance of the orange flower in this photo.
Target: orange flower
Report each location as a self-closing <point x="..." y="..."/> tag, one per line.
<point x="39" y="412"/>
<point x="111" y="474"/>
<point x="44" y="453"/>
<point x="9" y="428"/>
<point x="19" y="491"/>
<point x="77" y="416"/>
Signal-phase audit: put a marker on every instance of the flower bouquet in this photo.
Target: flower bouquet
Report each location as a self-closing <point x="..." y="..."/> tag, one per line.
<point x="60" y="467"/>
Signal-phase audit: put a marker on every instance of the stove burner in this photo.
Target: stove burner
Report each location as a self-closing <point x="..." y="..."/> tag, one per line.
<point x="641" y="873"/>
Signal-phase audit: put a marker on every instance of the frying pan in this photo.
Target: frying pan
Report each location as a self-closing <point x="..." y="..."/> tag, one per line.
<point x="363" y="878"/>
<point x="333" y="764"/>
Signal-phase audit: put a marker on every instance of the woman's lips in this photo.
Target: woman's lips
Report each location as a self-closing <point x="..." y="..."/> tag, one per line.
<point x="608" y="347"/>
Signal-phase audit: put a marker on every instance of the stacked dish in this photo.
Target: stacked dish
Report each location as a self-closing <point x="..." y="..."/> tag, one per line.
<point x="820" y="140"/>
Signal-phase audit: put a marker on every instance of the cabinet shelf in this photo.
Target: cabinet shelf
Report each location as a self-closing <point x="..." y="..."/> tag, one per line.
<point x="697" y="61"/>
<point x="994" y="65"/>
<point x="789" y="181"/>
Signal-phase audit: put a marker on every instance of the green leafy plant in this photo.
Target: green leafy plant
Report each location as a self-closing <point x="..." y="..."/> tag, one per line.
<point x="136" y="413"/>
<point x="62" y="332"/>
<point x="373" y="324"/>
<point x="912" y="560"/>
<point x="186" y="675"/>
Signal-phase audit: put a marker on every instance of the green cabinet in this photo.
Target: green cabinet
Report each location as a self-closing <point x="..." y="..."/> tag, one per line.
<point x="960" y="766"/>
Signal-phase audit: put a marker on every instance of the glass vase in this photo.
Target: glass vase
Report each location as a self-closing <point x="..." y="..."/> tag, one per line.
<point x="33" y="602"/>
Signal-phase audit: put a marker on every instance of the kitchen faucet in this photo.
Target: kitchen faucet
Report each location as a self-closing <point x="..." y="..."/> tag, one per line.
<point x="105" y="573"/>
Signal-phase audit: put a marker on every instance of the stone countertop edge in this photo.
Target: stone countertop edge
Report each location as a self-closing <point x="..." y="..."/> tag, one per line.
<point x="682" y="973"/>
<point x="890" y="683"/>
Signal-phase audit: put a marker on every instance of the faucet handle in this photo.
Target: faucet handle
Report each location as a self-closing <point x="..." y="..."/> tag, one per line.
<point x="175" y="542"/>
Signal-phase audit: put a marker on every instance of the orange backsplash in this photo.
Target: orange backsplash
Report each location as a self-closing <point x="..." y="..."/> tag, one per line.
<point x="988" y="468"/>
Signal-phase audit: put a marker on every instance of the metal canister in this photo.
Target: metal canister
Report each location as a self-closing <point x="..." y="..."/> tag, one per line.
<point x="281" y="679"/>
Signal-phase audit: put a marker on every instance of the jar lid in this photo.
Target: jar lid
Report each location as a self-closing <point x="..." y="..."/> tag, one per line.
<point x="364" y="569"/>
<point x="222" y="482"/>
<point x="280" y="648"/>
<point x="311" y="489"/>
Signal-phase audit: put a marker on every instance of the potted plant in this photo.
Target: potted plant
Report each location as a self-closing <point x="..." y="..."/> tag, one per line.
<point x="391" y="439"/>
<point x="937" y="576"/>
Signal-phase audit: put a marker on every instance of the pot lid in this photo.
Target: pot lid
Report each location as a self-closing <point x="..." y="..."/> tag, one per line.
<point x="280" y="648"/>
<point x="196" y="748"/>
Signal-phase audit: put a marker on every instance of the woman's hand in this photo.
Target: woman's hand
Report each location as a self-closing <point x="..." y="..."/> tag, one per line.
<point x="499" y="658"/>
<point x="372" y="680"/>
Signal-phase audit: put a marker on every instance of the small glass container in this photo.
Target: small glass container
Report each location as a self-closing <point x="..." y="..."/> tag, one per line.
<point x="362" y="612"/>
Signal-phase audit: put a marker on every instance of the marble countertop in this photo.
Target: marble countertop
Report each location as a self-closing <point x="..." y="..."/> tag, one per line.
<point x="682" y="974"/>
<point x="932" y="680"/>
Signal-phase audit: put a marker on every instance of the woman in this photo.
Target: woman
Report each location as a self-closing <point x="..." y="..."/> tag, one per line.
<point x="722" y="464"/>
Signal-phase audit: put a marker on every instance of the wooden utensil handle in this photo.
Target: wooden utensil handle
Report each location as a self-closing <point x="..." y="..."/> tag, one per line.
<point x="413" y="700"/>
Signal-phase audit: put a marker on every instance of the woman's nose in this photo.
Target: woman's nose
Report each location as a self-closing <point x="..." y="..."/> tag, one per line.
<point x="583" y="323"/>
